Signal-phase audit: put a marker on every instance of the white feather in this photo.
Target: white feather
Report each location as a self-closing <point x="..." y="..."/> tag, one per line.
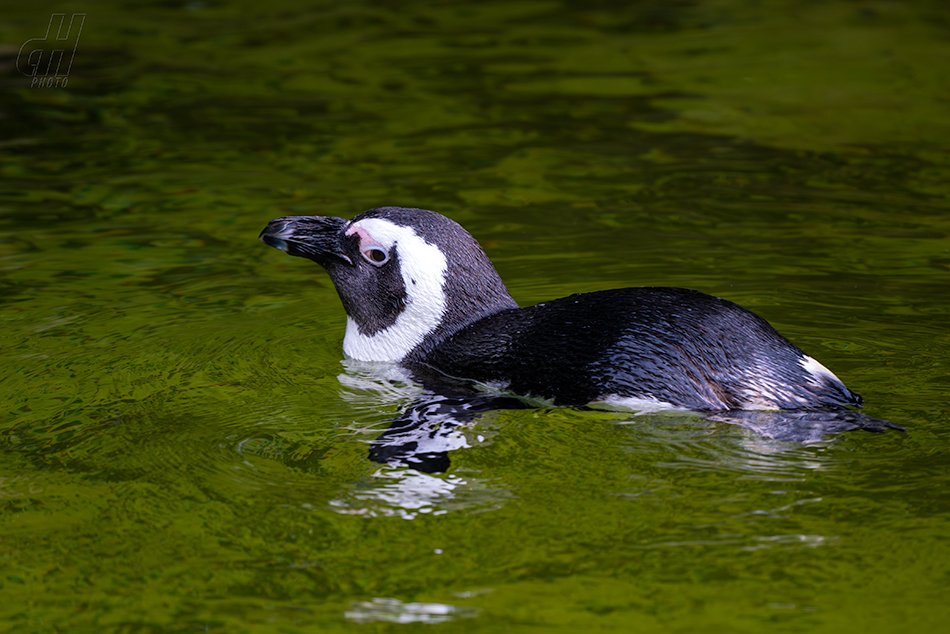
<point x="644" y="405"/>
<point x="817" y="370"/>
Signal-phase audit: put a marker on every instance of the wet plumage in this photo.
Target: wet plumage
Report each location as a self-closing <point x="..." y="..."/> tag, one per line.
<point x="420" y="292"/>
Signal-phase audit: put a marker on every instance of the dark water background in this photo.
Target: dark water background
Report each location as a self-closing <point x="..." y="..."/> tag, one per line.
<point x="181" y="449"/>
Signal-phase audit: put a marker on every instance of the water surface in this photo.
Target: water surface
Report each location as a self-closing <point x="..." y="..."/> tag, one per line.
<point x="182" y="447"/>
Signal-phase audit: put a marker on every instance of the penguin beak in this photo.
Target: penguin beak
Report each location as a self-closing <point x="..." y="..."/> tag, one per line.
<point x="317" y="238"/>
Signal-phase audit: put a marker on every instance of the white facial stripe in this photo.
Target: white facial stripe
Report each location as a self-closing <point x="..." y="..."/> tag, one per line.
<point x="423" y="267"/>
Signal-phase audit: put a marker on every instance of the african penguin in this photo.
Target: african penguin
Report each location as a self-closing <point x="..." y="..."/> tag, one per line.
<point x="420" y="292"/>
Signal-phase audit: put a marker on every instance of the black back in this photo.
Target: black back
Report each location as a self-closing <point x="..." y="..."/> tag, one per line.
<point x="673" y="345"/>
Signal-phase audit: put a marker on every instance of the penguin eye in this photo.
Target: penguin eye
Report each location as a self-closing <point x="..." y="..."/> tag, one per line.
<point x="376" y="256"/>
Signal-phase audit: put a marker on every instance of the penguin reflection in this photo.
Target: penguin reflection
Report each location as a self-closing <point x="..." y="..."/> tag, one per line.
<point x="423" y="435"/>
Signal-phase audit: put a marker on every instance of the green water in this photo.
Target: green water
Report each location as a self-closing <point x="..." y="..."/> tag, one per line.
<point x="181" y="448"/>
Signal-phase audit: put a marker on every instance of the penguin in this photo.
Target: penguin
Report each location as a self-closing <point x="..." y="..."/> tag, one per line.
<point x="420" y="292"/>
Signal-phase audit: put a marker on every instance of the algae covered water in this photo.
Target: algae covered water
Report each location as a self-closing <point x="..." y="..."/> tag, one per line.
<point x="184" y="448"/>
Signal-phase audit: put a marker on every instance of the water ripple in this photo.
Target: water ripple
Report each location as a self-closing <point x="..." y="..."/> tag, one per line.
<point x="395" y="611"/>
<point x="408" y="493"/>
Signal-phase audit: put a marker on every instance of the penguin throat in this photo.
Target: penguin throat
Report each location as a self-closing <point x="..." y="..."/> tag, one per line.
<point x="422" y="268"/>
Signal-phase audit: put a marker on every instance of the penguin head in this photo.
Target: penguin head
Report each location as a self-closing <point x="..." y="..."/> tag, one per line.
<point x="407" y="278"/>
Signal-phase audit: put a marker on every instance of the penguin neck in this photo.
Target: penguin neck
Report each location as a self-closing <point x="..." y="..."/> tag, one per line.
<point x="413" y="335"/>
<point x="471" y="299"/>
<point x="425" y="322"/>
